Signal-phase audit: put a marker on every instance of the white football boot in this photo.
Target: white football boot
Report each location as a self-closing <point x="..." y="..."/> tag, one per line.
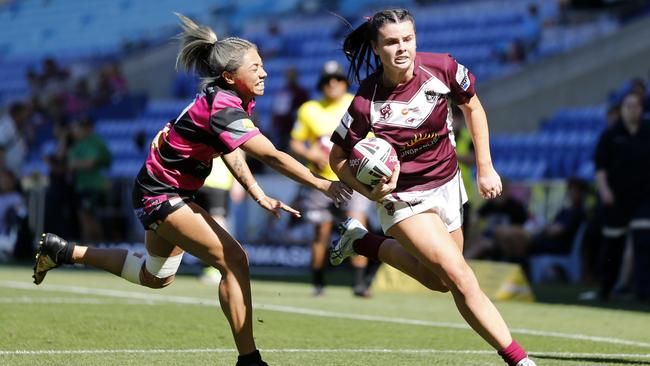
<point x="526" y="362"/>
<point x="350" y="230"/>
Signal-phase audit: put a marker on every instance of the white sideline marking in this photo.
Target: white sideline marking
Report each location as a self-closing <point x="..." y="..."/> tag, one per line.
<point x="70" y="300"/>
<point x="304" y="311"/>
<point x="308" y="350"/>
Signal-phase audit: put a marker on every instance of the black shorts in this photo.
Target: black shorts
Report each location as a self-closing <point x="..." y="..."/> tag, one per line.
<point x="152" y="210"/>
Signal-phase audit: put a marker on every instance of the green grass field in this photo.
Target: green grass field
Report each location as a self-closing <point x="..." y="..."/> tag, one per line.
<point x="82" y="317"/>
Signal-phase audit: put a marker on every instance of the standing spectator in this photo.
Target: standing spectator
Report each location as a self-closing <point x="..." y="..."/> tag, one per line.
<point x="88" y="158"/>
<point x="12" y="140"/>
<point x="622" y="160"/>
<point x="285" y="104"/>
<point x="111" y="85"/>
<point x="310" y="140"/>
<point x="60" y="214"/>
<point x="13" y="213"/>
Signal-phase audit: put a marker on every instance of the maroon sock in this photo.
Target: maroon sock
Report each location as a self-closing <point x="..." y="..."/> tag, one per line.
<point x="369" y="245"/>
<point x="513" y="353"/>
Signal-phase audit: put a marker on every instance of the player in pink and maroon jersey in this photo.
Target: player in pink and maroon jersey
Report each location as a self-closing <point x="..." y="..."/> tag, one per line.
<point x="217" y="123"/>
<point x="406" y="100"/>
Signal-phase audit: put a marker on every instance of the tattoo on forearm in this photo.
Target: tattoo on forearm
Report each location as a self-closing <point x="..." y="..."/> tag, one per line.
<point x="241" y="173"/>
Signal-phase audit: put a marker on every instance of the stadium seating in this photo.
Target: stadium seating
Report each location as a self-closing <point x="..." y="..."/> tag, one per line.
<point x="563" y="146"/>
<point x="570" y="263"/>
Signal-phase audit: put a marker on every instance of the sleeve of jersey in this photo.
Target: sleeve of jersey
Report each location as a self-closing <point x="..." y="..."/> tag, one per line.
<point x="354" y="125"/>
<point x="233" y="127"/>
<point x="461" y="82"/>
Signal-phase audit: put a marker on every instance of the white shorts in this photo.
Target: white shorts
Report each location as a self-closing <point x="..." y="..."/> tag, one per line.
<point x="447" y="201"/>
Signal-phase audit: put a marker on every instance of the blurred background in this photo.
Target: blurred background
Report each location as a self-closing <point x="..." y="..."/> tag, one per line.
<point x="98" y="77"/>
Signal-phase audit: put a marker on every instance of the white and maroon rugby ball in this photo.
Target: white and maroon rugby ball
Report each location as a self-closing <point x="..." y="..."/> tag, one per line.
<point x="371" y="159"/>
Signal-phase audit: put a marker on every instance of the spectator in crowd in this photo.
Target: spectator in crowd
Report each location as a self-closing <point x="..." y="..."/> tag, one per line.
<point x="88" y="159"/>
<point x="79" y="100"/>
<point x="285" y="104"/>
<point x="60" y="213"/>
<point x="557" y="237"/>
<point x="310" y="140"/>
<point x="622" y="160"/>
<point x="13" y="213"/>
<point x="271" y="44"/>
<point x="12" y="140"/>
<point x="639" y="86"/>
<point x="502" y="228"/>
<point x="111" y="85"/>
<point x="531" y="30"/>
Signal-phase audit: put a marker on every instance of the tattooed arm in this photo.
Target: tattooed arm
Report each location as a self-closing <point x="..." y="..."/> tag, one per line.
<point x="236" y="163"/>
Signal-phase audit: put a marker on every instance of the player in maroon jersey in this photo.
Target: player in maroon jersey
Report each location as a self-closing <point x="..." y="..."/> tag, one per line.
<point x="217" y="123"/>
<point x="406" y="101"/>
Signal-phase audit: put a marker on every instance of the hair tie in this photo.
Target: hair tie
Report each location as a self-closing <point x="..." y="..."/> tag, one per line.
<point x="367" y="18"/>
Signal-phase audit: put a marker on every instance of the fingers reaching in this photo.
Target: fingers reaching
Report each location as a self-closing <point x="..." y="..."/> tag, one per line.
<point x="290" y="209"/>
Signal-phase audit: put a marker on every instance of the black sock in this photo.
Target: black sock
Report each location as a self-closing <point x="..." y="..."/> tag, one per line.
<point x="318" y="277"/>
<point x="67" y="253"/>
<point x="371" y="271"/>
<point x="359" y="278"/>
<point x="249" y="358"/>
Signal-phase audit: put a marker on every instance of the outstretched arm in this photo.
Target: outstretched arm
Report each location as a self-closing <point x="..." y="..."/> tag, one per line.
<point x="488" y="181"/>
<point x="262" y="149"/>
<point x="236" y="163"/>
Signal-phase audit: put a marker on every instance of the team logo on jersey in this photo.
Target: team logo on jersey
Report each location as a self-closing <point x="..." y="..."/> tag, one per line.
<point x="418" y="143"/>
<point x="462" y="77"/>
<point x="406" y="110"/>
<point x="385" y="112"/>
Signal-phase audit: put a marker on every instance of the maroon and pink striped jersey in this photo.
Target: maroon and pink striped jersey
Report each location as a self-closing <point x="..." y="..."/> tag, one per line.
<point x="414" y="117"/>
<point x="180" y="157"/>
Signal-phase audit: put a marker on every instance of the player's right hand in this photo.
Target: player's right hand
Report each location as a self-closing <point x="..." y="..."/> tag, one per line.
<point x="385" y="186"/>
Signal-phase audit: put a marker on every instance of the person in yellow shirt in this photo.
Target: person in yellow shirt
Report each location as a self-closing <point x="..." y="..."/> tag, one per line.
<point x="310" y="140"/>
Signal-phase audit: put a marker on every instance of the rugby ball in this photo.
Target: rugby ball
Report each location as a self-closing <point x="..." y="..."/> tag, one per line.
<point x="371" y="159"/>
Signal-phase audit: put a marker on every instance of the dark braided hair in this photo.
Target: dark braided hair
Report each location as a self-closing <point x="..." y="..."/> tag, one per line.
<point x="357" y="45"/>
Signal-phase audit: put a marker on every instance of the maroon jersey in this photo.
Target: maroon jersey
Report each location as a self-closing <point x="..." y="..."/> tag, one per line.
<point x="180" y="157"/>
<point x="414" y="117"/>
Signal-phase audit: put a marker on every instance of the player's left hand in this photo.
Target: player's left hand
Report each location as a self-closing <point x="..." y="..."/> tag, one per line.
<point x="274" y="206"/>
<point x="489" y="182"/>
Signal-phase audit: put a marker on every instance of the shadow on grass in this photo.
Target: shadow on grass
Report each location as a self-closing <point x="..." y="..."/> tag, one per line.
<point x="569" y="294"/>
<point x="595" y="360"/>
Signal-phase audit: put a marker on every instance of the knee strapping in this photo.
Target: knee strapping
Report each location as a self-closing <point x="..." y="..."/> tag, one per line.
<point x="159" y="267"/>
<point x="162" y="267"/>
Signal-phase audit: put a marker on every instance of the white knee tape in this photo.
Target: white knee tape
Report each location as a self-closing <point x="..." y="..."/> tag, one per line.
<point x="162" y="267"/>
<point x="132" y="266"/>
